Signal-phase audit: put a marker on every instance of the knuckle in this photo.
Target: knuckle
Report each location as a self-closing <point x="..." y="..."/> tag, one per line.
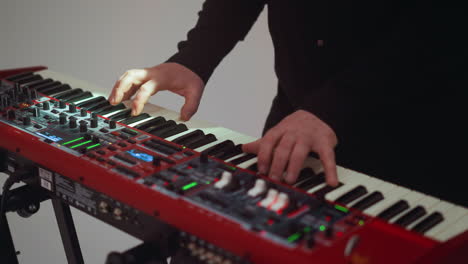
<point x="281" y="152"/>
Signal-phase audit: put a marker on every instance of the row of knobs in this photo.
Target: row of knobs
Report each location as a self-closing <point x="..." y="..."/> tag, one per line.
<point x="63" y="117"/>
<point x="83" y="124"/>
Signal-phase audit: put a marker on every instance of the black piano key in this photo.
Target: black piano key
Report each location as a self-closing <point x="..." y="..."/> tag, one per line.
<point x="69" y="94"/>
<point x="121" y="115"/>
<point x="311" y="181"/>
<point x="56" y="89"/>
<point x="162" y="147"/>
<point x="352" y="195"/>
<point x="168" y="145"/>
<point x="18" y="76"/>
<point x="253" y="167"/>
<point x="219" y="148"/>
<point x="174" y="131"/>
<point x="98" y="107"/>
<point x="368" y="201"/>
<point x="429" y="222"/>
<point x="15" y="77"/>
<point x="242" y="159"/>
<point x="320" y="193"/>
<point x="109" y="109"/>
<point x="207" y="139"/>
<point x="38" y="82"/>
<point x="92" y="101"/>
<point x="79" y="97"/>
<point x="232" y="152"/>
<point x="134" y="119"/>
<point x="44" y="86"/>
<point x="158" y="148"/>
<point x="163" y="126"/>
<point x="411" y="216"/>
<point x="304" y="174"/>
<point x="188" y="137"/>
<point x="29" y="79"/>
<point x="152" y="122"/>
<point x="393" y="210"/>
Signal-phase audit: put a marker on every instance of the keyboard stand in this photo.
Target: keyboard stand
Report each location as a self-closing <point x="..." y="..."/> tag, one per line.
<point x="67" y="230"/>
<point x="7" y="248"/>
<point x="22" y="198"/>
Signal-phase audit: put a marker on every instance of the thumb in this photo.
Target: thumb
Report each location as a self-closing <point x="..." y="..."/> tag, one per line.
<point x="252" y="147"/>
<point x="192" y="101"/>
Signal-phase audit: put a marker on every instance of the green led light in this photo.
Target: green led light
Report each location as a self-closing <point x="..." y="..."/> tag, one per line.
<point x="294" y="237"/>
<point x="93" y="146"/>
<point x="307" y="229"/>
<point x="341" y="208"/>
<point x="231" y="168"/>
<point x="71" y="141"/>
<point x="81" y="144"/>
<point x="208" y="182"/>
<point x="322" y="228"/>
<point x="361" y="222"/>
<point x="189" y="186"/>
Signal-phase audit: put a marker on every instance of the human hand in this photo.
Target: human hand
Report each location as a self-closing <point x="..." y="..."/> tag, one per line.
<point x="143" y="83"/>
<point x="289" y="143"/>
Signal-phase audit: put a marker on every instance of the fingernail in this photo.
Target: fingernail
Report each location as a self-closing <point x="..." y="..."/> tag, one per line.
<point x="262" y="169"/>
<point x="274" y="177"/>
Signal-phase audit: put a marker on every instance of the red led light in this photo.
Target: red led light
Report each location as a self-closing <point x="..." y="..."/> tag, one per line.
<point x="339" y="234"/>
<point x="328" y="218"/>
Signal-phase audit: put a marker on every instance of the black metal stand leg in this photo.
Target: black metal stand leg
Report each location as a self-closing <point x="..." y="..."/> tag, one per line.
<point x="7" y="249"/>
<point x="67" y="232"/>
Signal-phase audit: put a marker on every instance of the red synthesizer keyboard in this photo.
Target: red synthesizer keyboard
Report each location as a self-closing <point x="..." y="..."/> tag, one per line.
<point x="134" y="171"/>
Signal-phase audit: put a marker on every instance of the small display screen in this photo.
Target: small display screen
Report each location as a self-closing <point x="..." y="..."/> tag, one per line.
<point x="48" y="135"/>
<point x="140" y="155"/>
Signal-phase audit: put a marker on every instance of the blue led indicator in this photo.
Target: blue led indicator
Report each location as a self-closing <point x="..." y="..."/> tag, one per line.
<point x="49" y="136"/>
<point x="140" y="155"/>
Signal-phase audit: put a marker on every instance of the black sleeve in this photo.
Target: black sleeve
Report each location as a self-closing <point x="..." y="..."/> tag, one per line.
<point x="221" y="24"/>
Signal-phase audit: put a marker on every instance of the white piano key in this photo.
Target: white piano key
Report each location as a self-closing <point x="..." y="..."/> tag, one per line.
<point x="235" y="157"/>
<point x="134" y="124"/>
<point x="440" y="207"/>
<point x="114" y="112"/>
<point x="458" y="227"/>
<point x="452" y="214"/>
<point x="84" y="100"/>
<point x="248" y="163"/>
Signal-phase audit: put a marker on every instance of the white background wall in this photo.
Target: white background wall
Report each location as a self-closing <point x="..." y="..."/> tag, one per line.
<point x="97" y="40"/>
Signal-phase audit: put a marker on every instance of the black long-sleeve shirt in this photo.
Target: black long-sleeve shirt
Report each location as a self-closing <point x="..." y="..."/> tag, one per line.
<point x="390" y="77"/>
